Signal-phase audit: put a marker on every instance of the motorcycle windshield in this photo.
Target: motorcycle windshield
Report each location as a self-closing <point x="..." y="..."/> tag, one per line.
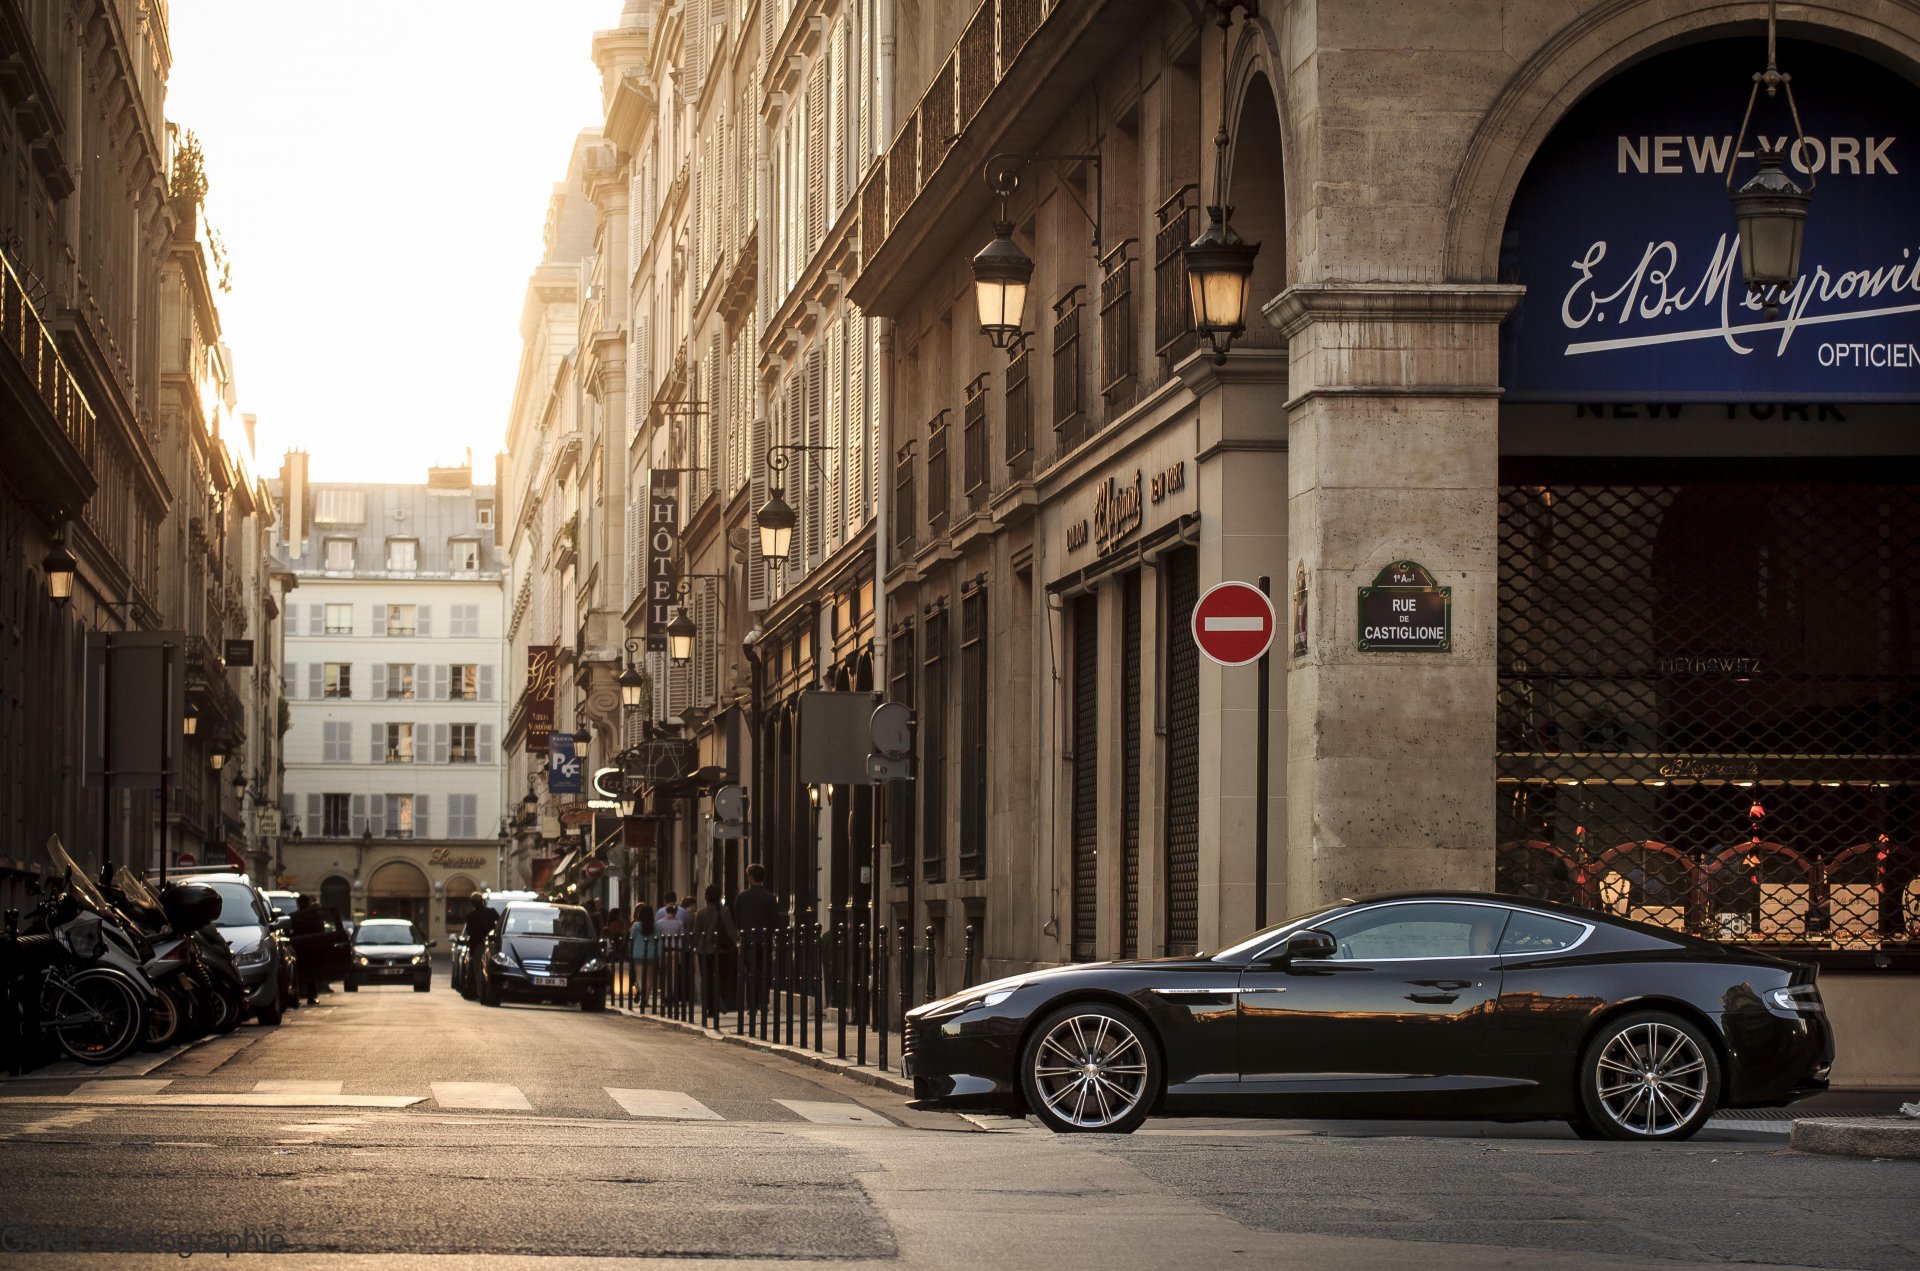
<point x="136" y="888"/>
<point x="77" y="880"/>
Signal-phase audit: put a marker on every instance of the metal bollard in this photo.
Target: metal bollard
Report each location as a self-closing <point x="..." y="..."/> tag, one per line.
<point x="817" y="983"/>
<point x="906" y="973"/>
<point x="859" y="954"/>
<point x="966" y="981"/>
<point x="932" y="969"/>
<point x="880" y="960"/>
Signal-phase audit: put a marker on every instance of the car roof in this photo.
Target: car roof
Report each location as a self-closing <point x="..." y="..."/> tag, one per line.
<point x="542" y="904"/>
<point x="209" y="880"/>
<point x="392" y="922"/>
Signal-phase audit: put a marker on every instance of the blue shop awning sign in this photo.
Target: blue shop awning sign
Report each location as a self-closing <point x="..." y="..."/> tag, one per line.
<point x="1624" y="237"/>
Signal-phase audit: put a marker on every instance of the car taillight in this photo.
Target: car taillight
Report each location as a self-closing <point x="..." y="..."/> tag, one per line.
<point x="1795" y="999"/>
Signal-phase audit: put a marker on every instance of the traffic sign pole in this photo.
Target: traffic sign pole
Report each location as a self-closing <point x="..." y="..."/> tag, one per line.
<point x="1233" y="625"/>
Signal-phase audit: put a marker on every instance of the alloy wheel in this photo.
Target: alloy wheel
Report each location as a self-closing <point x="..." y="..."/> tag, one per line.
<point x="1091" y="1071"/>
<point x="1652" y="1079"/>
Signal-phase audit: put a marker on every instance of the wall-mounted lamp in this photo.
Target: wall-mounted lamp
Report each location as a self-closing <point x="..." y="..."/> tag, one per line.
<point x="60" y="567"/>
<point x="633" y="681"/>
<point x="776" y="517"/>
<point x="1002" y="273"/>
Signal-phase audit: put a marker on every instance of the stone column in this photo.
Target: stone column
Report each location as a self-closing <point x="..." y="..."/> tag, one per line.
<point x="1393" y="431"/>
<point x="1241" y="465"/>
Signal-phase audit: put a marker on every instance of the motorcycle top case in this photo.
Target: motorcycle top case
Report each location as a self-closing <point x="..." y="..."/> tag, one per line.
<point x="189" y="905"/>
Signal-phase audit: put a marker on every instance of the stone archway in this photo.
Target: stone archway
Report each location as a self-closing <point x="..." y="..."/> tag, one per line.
<point x="336" y="893"/>
<point x="1585" y="53"/>
<point x="398" y="889"/>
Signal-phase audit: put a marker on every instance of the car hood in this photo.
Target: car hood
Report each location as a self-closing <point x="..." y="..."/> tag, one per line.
<point x="1043" y="976"/>
<point x="243" y="939"/>
<point x="389" y="951"/>
<point x="557" y="951"/>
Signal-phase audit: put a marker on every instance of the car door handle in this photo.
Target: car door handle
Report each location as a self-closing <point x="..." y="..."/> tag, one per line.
<point x="1447" y="985"/>
<point x="1434" y="999"/>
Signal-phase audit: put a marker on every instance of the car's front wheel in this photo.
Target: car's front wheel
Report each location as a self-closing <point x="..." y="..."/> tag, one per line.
<point x="1649" y="1076"/>
<point x="1090" y="1068"/>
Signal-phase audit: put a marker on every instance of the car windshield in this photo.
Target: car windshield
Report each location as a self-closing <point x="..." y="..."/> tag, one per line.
<point x="1266" y="934"/>
<point x="549" y="920"/>
<point x="236" y="905"/>
<point x="283" y="904"/>
<point x="386" y="933"/>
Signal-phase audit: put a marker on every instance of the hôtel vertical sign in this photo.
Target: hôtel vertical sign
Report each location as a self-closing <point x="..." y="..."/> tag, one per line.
<point x="663" y="553"/>
<point x="542" y="665"/>
<point x="1623" y="235"/>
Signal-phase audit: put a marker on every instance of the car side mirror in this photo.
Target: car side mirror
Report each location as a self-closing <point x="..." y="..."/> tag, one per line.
<point x="1306" y="946"/>
<point x="283" y="924"/>
<point x="431" y="944"/>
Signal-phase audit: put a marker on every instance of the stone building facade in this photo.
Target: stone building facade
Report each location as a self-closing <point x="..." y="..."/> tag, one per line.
<point x="1638" y="653"/>
<point x="394" y="786"/>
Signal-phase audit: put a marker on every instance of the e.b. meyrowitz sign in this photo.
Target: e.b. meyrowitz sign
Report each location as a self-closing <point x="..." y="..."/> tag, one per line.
<point x="1622" y="233"/>
<point x="542" y="664"/>
<point x="663" y="550"/>
<point x="1405" y="611"/>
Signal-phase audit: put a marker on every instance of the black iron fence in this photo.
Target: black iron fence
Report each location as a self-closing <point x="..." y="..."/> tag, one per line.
<point x="842" y="987"/>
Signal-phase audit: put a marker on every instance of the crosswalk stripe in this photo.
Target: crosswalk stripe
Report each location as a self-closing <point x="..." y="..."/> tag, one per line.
<point x="491" y="1096"/>
<point x="663" y="1104"/>
<point x="833" y="1113"/>
<point x="122" y="1085"/>
<point x="295" y="1086"/>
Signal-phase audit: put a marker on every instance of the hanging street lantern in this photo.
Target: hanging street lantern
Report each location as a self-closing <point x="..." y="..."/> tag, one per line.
<point x="218" y="759"/>
<point x="1770" y="210"/>
<point x="60" y="567"/>
<point x="1219" y="262"/>
<point x="777" y="520"/>
<point x="1001" y="274"/>
<point x="680" y="635"/>
<point x="1219" y="277"/>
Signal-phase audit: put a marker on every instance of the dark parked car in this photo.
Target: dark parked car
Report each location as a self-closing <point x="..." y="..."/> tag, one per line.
<point x="1433" y="1005"/>
<point x="260" y="952"/>
<point x="545" y="952"/>
<point x="496" y="901"/>
<point x="322" y="944"/>
<point x="389" y="951"/>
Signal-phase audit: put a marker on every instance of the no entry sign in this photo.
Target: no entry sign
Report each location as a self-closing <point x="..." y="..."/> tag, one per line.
<point x="1233" y="623"/>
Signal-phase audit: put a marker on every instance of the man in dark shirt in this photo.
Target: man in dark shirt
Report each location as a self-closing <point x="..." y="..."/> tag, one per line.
<point x="756" y="912"/>
<point x="479" y="924"/>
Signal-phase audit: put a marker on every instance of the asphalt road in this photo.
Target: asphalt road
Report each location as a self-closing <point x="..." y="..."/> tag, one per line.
<point x="395" y="1129"/>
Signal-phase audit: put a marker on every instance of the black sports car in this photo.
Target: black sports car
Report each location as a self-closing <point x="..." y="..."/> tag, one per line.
<point x="1439" y="1005"/>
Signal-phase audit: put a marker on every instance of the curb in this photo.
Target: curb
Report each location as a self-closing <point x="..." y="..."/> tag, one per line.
<point x="1891" y="1138"/>
<point x="825" y="1063"/>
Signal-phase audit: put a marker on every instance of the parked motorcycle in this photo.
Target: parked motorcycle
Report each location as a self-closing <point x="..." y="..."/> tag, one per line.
<point x="192" y="998"/>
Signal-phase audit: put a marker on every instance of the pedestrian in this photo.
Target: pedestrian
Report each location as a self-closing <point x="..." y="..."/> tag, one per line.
<point x="715" y="938"/>
<point x="478" y="926"/>
<point x="308" y="920"/>
<point x="757" y="912"/>
<point x="666" y="904"/>
<point x="643" y="949"/>
<point x="670" y="926"/>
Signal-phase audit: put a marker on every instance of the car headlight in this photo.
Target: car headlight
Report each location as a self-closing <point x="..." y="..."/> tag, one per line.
<point x="418" y="958"/>
<point x="256" y="956"/>
<point x="360" y="961"/>
<point x="591" y="964"/>
<point x="500" y="959"/>
<point x="961" y="1004"/>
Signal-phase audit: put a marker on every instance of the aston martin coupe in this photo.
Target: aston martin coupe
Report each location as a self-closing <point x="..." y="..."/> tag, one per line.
<point x="1433" y="1005"/>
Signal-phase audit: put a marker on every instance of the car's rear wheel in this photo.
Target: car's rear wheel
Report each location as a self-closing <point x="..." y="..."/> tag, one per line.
<point x="1090" y="1068"/>
<point x="1649" y="1077"/>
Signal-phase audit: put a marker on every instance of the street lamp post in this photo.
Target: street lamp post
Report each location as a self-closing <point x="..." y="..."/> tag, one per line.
<point x="1219" y="262"/>
<point x="1770" y="210"/>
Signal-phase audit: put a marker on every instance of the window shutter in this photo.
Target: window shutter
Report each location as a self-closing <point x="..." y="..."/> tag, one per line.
<point x="423" y="743"/>
<point x="812" y="522"/>
<point x="486" y="682"/>
<point x="694" y="222"/>
<point x="484" y="744"/>
<point x="423" y="624"/>
<point x="377" y="814"/>
<point x="631" y="557"/>
<point x="316" y="620"/>
<point x="842" y="71"/>
<point x="358" y="823"/>
<point x="696" y="47"/>
<point x="834" y="468"/>
<point x="816" y="156"/>
<point x="313" y="816"/>
<point x="316" y="680"/>
<point x="859" y="485"/>
<point x="379" y="681"/>
<point x="377" y="734"/>
<point x="757" y="496"/>
<point x="421" y="826"/>
<point x="716" y="415"/>
<point x="442" y="746"/>
<point x="379" y="620"/>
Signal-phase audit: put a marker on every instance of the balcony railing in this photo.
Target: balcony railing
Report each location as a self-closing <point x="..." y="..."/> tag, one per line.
<point x="974" y="443"/>
<point x="1173" y="336"/>
<point x="31" y="342"/>
<point x="904" y="520"/>
<point x="939" y="483"/>
<point x="1019" y="422"/>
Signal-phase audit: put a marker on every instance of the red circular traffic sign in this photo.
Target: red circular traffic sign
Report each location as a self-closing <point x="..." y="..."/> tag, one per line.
<point x="1233" y="623"/>
<point x="186" y="858"/>
<point x="593" y="870"/>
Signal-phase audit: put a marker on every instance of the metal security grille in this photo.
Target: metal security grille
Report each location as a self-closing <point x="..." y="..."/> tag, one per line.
<point x="1709" y="702"/>
<point x="933" y="750"/>
<point x="1182" y="869"/>
<point x="973" y="734"/>
<point x="1130" y="765"/>
<point x="1086" y="773"/>
<point x="900" y="794"/>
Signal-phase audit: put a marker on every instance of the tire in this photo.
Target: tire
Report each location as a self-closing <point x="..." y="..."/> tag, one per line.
<point x="595" y="1002"/>
<point x="118" y="1016"/>
<point x="166" y="1020"/>
<point x="489" y="993"/>
<point x="423" y="986"/>
<point x="1584" y="1129"/>
<point x="1648" y="1077"/>
<point x="273" y="1012"/>
<point x="229" y="1008"/>
<point x="1091" y="1068"/>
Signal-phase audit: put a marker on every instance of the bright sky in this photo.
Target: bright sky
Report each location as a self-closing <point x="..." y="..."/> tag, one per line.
<point x="380" y="171"/>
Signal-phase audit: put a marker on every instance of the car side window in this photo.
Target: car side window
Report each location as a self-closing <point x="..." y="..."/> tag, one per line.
<point x="1428" y="930"/>
<point x="1537" y="933"/>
